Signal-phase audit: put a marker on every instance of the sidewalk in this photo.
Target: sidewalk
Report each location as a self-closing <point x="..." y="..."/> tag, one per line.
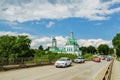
<point x="116" y="71"/>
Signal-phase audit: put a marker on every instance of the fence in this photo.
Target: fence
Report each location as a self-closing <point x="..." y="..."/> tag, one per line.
<point x="7" y="64"/>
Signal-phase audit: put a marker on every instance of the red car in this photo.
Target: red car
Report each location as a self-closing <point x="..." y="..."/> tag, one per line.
<point x="97" y="59"/>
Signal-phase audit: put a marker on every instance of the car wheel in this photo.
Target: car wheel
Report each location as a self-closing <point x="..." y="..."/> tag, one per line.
<point x="56" y="66"/>
<point x="70" y="64"/>
<point x="65" y="66"/>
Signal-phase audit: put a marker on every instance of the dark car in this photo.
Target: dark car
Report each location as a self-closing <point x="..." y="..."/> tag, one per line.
<point x="109" y="58"/>
<point x="104" y="57"/>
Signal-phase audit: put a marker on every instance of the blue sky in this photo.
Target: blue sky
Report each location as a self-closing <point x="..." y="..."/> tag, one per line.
<point x="92" y="23"/>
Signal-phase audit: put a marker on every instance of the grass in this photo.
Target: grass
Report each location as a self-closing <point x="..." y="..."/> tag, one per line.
<point x="88" y="56"/>
<point x="118" y="58"/>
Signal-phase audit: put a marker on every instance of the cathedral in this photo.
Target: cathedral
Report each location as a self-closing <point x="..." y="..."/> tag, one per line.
<point x="71" y="46"/>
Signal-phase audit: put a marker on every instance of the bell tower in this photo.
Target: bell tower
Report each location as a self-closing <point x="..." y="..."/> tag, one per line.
<point x="72" y="35"/>
<point x="54" y="42"/>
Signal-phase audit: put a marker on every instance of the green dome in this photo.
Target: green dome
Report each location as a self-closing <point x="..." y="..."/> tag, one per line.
<point x="71" y="41"/>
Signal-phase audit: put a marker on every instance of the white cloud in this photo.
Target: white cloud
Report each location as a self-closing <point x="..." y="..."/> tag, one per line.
<point x="94" y="42"/>
<point x="7" y="33"/>
<point x="61" y="41"/>
<point x="47" y="41"/>
<point x="50" y="24"/>
<point x="16" y="34"/>
<point x="26" y="10"/>
<point x="44" y="41"/>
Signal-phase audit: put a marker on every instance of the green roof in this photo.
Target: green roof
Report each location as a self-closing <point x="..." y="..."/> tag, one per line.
<point x="71" y="41"/>
<point x="54" y="49"/>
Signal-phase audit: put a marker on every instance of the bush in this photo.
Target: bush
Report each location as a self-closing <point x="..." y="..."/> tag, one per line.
<point x="71" y="56"/>
<point x="118" y="58"/>
<point x="51" y="56"/>
<point x="88" y="56"/>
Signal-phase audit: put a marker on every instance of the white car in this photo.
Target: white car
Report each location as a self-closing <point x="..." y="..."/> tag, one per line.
<point x="63" y="62"/>
<point x="79" y="60"/>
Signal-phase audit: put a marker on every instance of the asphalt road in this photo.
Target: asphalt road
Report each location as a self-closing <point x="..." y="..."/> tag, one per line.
<point x="85" y="71"/>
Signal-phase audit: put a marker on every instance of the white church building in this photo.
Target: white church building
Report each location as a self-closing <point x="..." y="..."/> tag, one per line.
<point x="71" y="46"/>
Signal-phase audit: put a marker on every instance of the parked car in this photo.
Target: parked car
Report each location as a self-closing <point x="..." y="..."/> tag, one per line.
<point x="97" y="59"/>
<point x="104" y="57"/>
<point x="109" y="58"/>
<point x="63" y="62"/>
<point x="79" y="60"/>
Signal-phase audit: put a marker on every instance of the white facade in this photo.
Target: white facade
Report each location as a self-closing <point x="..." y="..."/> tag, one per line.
<point x="72" y="49"/>
<point x="72" y="46"/>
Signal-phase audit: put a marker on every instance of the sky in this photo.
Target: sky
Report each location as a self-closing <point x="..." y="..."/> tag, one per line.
<point x="93" y="22"/>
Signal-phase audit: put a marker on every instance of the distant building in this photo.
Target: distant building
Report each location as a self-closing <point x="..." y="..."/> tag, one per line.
<point x="54" y="47"/>
<point x="71" y="46"/>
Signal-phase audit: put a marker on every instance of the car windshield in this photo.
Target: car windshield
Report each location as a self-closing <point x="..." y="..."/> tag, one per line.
<point x="62" y="59"/>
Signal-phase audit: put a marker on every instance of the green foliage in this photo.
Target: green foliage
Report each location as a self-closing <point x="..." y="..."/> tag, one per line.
<point x="111" y="51"/>
<point x="47" y="49"/>
<point x="23" y="46"/>
<point x="15" y="45"/>
<point x="71" y="56"/>
<point x="6" y="45"/>
<point x="44" y="58"/>
<point x="50" y="56"/>
<point x="88" y="56"/>
<point x="118" y="58"/>
<point x="40" y="47"/>
<point x="12" y="57"/>
<point x="118" y="51"/>
<point x="89" y="49"/>
<point x="38" y="54"/>
<point x="116" y="43"/>
<point x="83" y="49"/>
<point x="103" y="49"/>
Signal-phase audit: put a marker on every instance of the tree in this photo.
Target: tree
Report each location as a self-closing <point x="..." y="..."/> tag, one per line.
<point x="15" y="46"/>
<point x="38" y="53"/>
<point x="83" y="49"/>
<point x="103" y="49"/>
<point x="111" y="51"/>
<point x="22" y="46"/>
<point x="116" y="43"/>
<point x="6" y="45"/>
<point x="47" y="49"/>
<point x="91" y="49"/>
<point x="41" y="47"/>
